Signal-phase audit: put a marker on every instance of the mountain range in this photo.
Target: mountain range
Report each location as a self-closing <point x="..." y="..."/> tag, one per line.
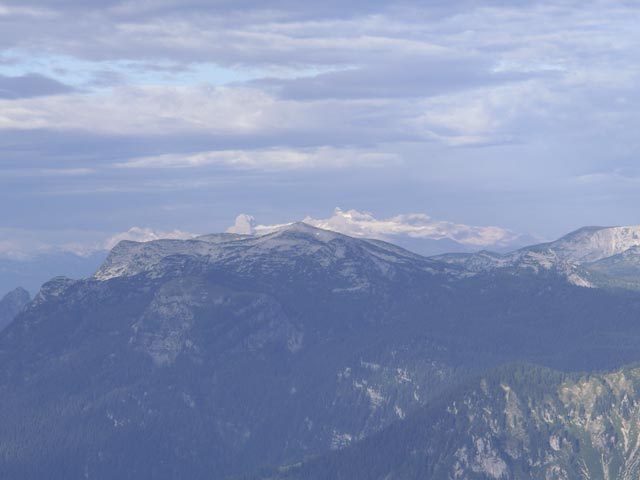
<point x="305" y="353"/>
<point x="30" y="264"/>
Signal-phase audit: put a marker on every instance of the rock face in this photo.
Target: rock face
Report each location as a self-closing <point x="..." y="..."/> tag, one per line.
<point x="12" y="304"/>
<point x="591" y="244"/>
<point x="225" y="354"/>
<point x="515" y="423"/>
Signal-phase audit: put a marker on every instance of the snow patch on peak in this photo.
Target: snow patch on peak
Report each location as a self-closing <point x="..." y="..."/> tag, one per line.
<point x="129" y="258"/>
<point x="302" y="229"/>
<point x="139" y="234"/>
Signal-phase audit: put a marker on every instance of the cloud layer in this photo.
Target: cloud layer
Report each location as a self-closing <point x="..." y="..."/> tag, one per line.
<point x="488" y="111"/>
<point x="25" y="245"/>
<point x="413" y="226"/>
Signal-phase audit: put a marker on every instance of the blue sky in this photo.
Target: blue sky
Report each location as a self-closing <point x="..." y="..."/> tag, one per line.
<point x="182" y="114"/>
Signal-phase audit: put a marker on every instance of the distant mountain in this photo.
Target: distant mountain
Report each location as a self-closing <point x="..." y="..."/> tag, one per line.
<point x="12" y="304"/>
<point x="331" y="252"/>
<point x="588" y="257"/>
<point x="226" y="354"/>
<point x="430" y="247"/>
<point x="518" y="423"/>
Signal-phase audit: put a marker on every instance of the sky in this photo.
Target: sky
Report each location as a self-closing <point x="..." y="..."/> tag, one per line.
<point x="178" y="115"/>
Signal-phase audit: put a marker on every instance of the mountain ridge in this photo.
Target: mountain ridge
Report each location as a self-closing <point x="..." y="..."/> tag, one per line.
<point x="298" y="239"/>
<point x="568" y="255"/>
<point x="225" y="354"/>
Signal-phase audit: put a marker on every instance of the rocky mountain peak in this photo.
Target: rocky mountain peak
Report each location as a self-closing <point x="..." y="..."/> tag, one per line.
<point x="12" y="304"/>
<point x="590" y="244"/>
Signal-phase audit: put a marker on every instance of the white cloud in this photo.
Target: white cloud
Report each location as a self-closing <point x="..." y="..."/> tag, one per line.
<point x="46" y="172"/>
<point x="268" y="158"/>
<point x="24" y="244"/>
<point x="413" y="225"/>
<point x="250" y="114"/>
<point x="246" y="225"/>
<point x="19" y="244"/>
<point x="9" y="11"/>
<point x="143" y="110"/>
<point x="365" y="75"/>
<point x="483" y="115"/>
<point x="18" y="249"/>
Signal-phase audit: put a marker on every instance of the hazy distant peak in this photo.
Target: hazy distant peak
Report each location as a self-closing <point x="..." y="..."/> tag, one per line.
<point x="12" y="304"/>
<point x="303" y="229"/>
<point x="19" y="293"/>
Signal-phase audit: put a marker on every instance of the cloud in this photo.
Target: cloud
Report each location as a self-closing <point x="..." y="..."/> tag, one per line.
<point x="19" y="250"/>
<point x="142" y="110"/>
<point x="219" y="113"/>
<point x="30" y="85"/>
<point x="617" y="178"/>
<point x="20" y="10"/>
<point x="229" y="33"/>
<point x="324" y="157"/>
<point x="461" y="73"/>
<point x="25" y="245"/>
<point x="413" y="226"/>
<point x="246" y="225"/>
<point x="235" y="102"/>
<point x="481" y="117"/>
<point x="417" y="76"/>
<point x="45" y="172"/>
